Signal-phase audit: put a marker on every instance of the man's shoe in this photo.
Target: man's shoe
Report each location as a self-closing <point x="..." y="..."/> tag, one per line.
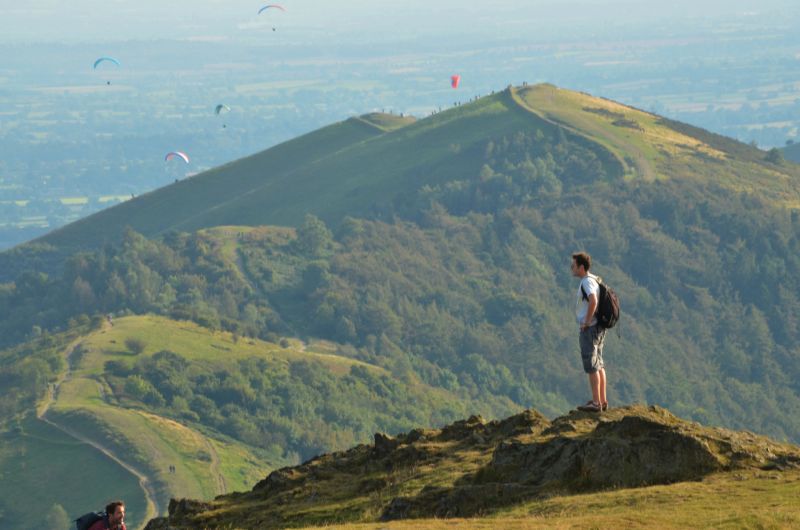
<point x="590" y="406"/>
<point x="604" y="406"/>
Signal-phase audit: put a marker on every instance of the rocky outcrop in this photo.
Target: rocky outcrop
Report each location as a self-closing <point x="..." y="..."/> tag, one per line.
<point x="474" y="466"/>
<point x="180" y="511"/>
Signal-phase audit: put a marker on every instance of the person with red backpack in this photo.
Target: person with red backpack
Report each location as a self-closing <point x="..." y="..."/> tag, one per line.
<point x="597" y="309"/>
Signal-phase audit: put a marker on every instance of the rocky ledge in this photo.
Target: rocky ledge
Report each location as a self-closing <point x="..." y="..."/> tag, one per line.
<point x="473" y="466"/>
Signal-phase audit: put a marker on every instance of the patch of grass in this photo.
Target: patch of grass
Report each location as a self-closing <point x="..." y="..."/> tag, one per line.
<point x="145" y="442"/>
<point x="196" y="343"/>
<point x="657" y="148"/>
<point x="387" y="122"/>
<point x="731" y="500"/>
<point x="41" y="466"/>
<point x="241" y="467"/>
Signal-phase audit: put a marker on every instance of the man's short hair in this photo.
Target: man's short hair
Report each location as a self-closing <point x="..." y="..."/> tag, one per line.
<point x="111" y="507"/>
<point x="582" y="258"/>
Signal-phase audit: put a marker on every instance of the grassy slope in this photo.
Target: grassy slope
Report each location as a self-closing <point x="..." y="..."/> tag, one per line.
<point x="357" y="167"/>
<point x="387" y="122"/>
<point x="147" y="441"/>
<point x="358" y="485"/>
<point x="350" y="168"/>
<point x="152" y="443"/>
<point x="41" y="466"/>
<point x="740" y="500"/>
<point x="183" y="202"/>
<point x="654" y="148"/>
<point x="365" y="176"/>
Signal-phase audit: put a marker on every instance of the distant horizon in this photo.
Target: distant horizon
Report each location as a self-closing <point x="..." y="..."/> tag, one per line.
<point x="727" y="66"/>
<point x="96" y="20"/>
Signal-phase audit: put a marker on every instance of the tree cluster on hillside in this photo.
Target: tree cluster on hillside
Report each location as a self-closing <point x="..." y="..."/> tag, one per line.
<point x="295" y="409"/>
<point x="27" y="370"/>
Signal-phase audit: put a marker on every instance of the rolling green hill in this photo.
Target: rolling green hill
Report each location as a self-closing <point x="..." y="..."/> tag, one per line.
<point x="198" y="441"/>
<point x="362" y="166"/>
<point x="370" y="166"/>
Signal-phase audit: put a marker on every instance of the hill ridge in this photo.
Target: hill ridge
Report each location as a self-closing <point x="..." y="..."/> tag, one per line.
<point x="262" y="187"/>
<point x="390" y="158"/>
<point x="515" y="97"/>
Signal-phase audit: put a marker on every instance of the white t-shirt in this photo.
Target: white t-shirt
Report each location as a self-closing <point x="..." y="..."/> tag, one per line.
<point x="590" y="286"/>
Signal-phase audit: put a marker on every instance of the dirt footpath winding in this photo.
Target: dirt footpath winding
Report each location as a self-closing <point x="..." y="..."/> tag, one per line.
<point x="151" y="509"/>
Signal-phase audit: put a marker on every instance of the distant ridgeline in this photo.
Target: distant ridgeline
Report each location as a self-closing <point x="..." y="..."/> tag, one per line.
<point x="439" y="249"/>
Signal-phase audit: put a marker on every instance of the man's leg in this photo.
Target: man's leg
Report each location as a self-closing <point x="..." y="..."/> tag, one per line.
<point x="602" y="390"/>
<point x="592" y="366"/>
<point x="594" y="382"/>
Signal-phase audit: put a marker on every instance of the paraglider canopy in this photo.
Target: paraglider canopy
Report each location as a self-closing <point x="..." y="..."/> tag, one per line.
<point x="177" y="154"/>
<point x="103" y="59"/>
<point x="219" y="108"/>
<point x="455" y="80"/>
<point x="276" y="6"/>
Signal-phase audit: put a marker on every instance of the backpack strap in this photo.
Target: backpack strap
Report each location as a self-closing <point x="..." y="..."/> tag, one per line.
<point x="595" y="278"/>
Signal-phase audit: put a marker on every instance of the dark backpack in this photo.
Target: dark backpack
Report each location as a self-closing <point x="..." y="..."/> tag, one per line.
<point x="607" y="312"/>
<point x="85" y="521"/>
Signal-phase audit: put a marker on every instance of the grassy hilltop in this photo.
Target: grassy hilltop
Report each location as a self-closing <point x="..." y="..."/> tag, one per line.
<point x="629" y="467"/>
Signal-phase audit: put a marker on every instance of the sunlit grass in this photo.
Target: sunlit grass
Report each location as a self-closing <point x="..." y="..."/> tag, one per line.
<point x="733" y="501"/>
<point x="153" y="443"/>
<point x="39" y="466"/>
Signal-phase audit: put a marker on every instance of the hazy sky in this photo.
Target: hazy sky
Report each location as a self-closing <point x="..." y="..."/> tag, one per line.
<point x="88" y="20"/>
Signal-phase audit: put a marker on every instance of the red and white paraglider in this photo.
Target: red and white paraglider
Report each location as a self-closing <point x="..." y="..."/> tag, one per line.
<point x="177" y="154"/>
<point x="275" y="6"/>
<point x="271" y="6"/>
<point x="455" y="80"/>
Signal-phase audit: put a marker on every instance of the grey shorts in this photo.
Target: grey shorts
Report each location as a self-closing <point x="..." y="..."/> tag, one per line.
<point x="591" y="340"/>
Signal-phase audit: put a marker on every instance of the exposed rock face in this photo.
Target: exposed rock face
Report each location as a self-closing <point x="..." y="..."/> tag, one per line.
<point x="633" y="451"/>
<point x="473" y="467"/>
<point x="384" y="444"/>
<point x="180" y="511"/>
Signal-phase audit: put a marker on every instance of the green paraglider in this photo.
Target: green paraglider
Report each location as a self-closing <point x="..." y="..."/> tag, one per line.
<point x="101" y="60"/>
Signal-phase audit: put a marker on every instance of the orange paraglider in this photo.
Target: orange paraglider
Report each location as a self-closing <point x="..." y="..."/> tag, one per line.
<point x="455" y="80"/>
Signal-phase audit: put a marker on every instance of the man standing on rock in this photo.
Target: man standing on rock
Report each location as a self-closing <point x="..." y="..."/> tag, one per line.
<point x="592" y="336"/>
<point x="114" y="519"/>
